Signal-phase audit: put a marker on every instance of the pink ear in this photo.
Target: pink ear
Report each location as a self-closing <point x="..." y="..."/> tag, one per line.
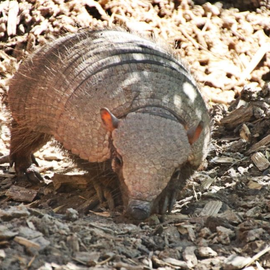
<point x="194" y="133"/>
<point x="109" y="120"/>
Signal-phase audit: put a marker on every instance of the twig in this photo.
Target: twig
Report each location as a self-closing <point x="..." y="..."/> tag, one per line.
<point x="31" y="261"/>
<point x="208" y="21"/>
<point x="200" y="37"/>
<point x="192" y="40"/>
<point x="12" y="18"/>
<point x="258" y="255"/>
<point x="106" y="260"/>
<point x="255" y="60"/>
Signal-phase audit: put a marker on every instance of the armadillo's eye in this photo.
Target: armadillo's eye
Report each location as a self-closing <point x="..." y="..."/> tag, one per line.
<point x="118" y="161"/>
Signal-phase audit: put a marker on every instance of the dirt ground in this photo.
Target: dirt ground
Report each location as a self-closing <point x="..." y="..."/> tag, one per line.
<point x="222" y="220"/>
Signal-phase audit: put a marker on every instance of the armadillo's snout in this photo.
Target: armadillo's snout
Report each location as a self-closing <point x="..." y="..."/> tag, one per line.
<point x="138" y="210"/>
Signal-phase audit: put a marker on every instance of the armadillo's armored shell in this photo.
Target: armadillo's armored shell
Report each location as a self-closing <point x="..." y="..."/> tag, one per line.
<point x="61" y="88"/>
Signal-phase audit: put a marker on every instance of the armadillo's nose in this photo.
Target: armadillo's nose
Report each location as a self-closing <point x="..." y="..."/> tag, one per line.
<point x="138" y="210"/>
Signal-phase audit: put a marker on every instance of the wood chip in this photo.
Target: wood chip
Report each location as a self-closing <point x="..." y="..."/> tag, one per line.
<point x="223" y="160"/>
<point x="5" y="233"/>
<point x="245" y="133"/>
<point x="207" y="182"/>
<point x="191" y="234"/>
<point x="236" y="262"/>
<point x="260" y="161"/>
<point x="254" y="185"/>
<point x="238" y="116"/>
<point x="39" y="29"/>
<point x="224" y="235"/>
<point x="189" y="256"/>
<point x="211" y="208"/>
<point x="21" y="194"/>
<point x="206" y="252"/>
<point x="175" y="262"/>
<point x="14" y="212"/>
<point x="261" y="144"/>
<point x="231" y="216"/>
<point x="27" y="243"/>
<point x="87" y="258"/>
<point x="2" y="254"/>
<point x="12" y="18"/>
<point x="253" y="212"/>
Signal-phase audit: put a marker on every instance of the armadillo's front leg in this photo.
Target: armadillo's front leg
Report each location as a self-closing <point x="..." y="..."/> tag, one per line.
<point x="171" y="193"/>
<point x="104" y="194"/>
<point x="23" y="144"/>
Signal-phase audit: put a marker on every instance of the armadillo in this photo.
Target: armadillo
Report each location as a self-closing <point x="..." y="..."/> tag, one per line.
<point x="112" y="95"/>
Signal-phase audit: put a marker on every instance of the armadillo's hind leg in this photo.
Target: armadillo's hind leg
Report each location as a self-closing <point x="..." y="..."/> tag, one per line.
<point x="24" y="142"/>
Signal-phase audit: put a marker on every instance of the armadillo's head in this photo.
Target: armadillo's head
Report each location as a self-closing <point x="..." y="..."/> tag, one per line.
<point x="147" y="149"/>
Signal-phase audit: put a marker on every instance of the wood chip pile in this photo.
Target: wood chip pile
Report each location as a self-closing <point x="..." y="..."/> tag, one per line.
<point x="222" y="222"/>
<point x="224" y="48"/>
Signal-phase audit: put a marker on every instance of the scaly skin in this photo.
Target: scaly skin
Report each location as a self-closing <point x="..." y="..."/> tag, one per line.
<point x="60" y="90"/>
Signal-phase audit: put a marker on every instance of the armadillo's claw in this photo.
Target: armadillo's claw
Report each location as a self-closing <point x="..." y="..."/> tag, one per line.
<point x="141" y="210"/>
<point x="167" y="202"/>
<point x="172" y="201"/>
<point x="99" y="191"/>
<point x="163" y="205"/>
<point x="34" y="160"/>
<point x="25" y="167"/>
<point x="109" y="198"/>
<point x="33" y="174"/>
